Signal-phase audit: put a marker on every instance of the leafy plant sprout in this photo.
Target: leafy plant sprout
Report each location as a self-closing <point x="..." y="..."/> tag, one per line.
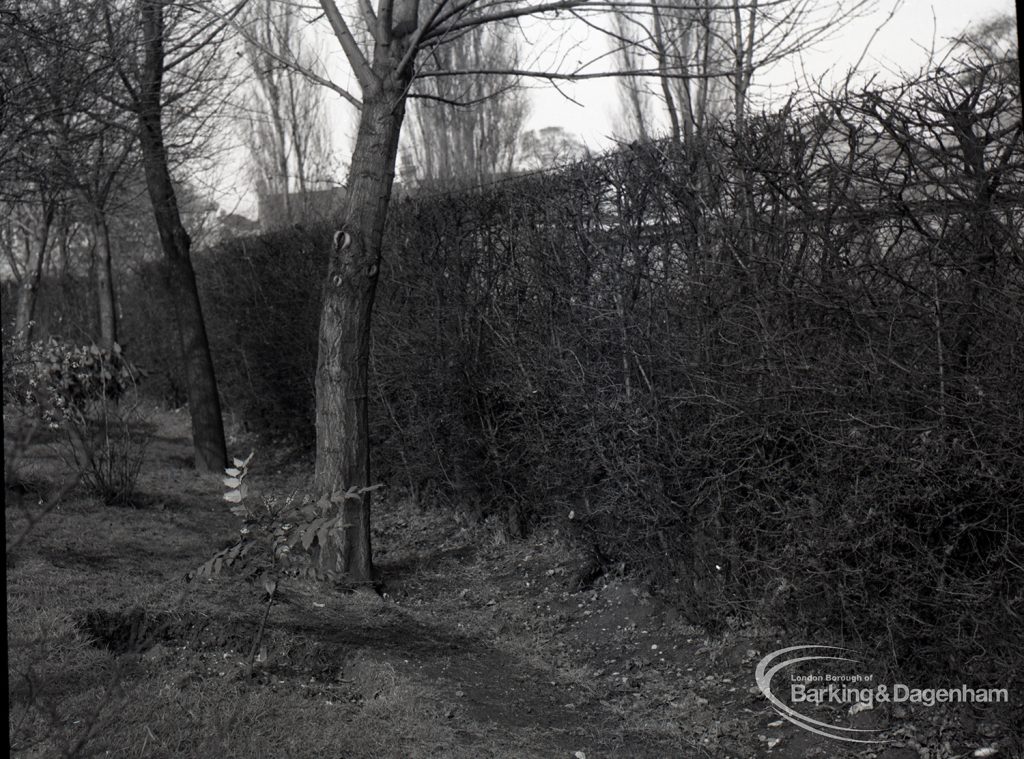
<point x="270" y="532"/>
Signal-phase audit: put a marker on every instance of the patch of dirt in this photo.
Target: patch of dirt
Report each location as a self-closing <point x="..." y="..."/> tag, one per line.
<point x="137" y="631"/>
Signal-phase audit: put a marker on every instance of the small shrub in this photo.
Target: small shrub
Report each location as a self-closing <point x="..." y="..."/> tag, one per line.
<point x="270" y="536"/>
<point x="83" y="392"/>
<point x="273" y="530"/>
<point x="108" y="451"/>
<point x="59" y="379"/>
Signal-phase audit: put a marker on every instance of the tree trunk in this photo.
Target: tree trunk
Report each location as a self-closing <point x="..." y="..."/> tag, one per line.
<point x="342" y="444"/>
<point x="660" y="46"/>
<point x="29" y="285"/>
<point x="743" y="72"/>
<point x="104" y="283"/>
<point x="203" y="401"/>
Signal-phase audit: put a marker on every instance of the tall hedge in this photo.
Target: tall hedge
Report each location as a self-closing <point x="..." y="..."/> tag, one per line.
<point x="779" y="370"/>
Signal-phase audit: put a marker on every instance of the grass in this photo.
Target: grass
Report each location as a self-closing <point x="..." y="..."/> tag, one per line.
<point x="479" y="648"/>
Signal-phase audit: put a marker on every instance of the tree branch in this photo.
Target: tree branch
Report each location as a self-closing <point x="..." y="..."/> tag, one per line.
<point x="364" y="73"/>
<point x="227" y="18"/>
<point x="418" y="37"/>
<point x="294" y="65"/>
<point x="370" y="18"/>
<point x="384" y="34"/>
<point x="442" y="27"/>
<point x="572" y="76"/>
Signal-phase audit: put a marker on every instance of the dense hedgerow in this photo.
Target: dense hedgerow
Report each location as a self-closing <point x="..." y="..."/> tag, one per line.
<point x="777" y="370"/>
<point x="262" y="302"/>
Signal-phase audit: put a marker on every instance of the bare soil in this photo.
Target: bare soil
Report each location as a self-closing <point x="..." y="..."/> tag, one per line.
<point x="480" y="647"/>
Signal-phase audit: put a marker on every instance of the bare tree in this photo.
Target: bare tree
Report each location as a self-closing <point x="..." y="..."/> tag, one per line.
<point x="90" y="78"/>
<point x="762" y="33"/>
<point x="40" y="135"/>
<point x="993" y="42"/>
<point x="466" y="129"/>
<point x="104" y="167"/>
<point x="635" y="106"/>
<point x="707" y="55"/>
<point x="285" y="126"/>
<point x="68" y="154"/>
<point x="685" y="43"/>
<point x="36" y="224"/>
<point x="388" y="47"/>
<point x="165" y="58"/>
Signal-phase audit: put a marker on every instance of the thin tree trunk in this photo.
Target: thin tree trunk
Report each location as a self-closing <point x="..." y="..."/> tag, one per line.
<point x="342" y="439"/>
<point x="744" y="59"/>
<point x="700" y="111"/>
<point x="203" y="401"/>
<point x="660" y="44"/>
<point x="297" y="122"/>
<point x="62" y="253"/>
<point x="738" y="93"/>
<point x="29" y="287"/>
<point x="743" y="74"/>
<point x="8" y="240"/>
<point x="105" y="305"/>
<point x="685" y="93"/>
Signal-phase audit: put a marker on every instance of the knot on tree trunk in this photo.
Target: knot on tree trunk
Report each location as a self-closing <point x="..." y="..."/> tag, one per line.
<point x="342" y="240"/>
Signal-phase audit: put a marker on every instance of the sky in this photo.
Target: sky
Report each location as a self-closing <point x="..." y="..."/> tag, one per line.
<point x="902" y="45"/>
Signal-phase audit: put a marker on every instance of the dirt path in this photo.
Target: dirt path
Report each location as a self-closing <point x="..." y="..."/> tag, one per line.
<point x="479" y="647"/>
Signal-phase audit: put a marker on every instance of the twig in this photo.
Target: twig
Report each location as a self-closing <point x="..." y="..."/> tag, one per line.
<point x="259" y="632"/>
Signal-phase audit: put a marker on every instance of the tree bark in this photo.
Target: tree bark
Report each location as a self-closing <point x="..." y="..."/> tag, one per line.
<point x="105" y="305"/>
<point x="342" y="444"/>
<point x="29" y="286"/>
<point x="203" y="400"/>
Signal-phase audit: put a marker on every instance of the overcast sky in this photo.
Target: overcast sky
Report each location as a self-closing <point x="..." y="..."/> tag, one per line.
<point x="903" y="45"/>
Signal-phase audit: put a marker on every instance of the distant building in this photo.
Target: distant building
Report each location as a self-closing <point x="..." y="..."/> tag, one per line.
<point x="280" y="210"/>
<point x="236" y="225"/>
